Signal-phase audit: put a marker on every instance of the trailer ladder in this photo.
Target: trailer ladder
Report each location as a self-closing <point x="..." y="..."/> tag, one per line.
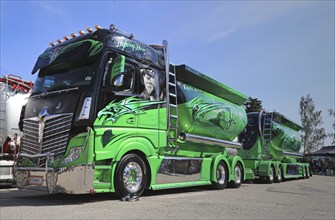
<point x="267" y="130"/>
<point x="171" y="101"/>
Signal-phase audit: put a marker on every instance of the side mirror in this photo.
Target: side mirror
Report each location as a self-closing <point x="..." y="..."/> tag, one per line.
<point x="118" y="80"/>
<point x="118" y="67"/>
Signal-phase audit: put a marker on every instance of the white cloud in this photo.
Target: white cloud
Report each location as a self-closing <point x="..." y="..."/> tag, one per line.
<point x="226" y="18"/>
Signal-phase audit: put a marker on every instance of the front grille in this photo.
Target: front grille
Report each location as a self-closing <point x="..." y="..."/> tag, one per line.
<point x="49" y="135"/>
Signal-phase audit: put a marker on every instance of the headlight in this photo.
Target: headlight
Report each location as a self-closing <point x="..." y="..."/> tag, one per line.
<point x="74" y="154"/>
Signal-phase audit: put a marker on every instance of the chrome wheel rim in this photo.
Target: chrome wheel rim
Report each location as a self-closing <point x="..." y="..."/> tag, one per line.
<point x="238" y="174"/>
<point x="271" y="174"/>
<point x="221" y="174"/>
<point x="132" y="176"/>
<point x="279" y="174"/>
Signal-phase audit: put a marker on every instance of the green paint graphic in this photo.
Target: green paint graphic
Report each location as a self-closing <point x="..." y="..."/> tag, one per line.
<point x="95" y="48"/>
<point x="132" y="105"/>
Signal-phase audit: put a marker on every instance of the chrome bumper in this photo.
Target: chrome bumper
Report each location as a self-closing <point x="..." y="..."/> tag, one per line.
<point x="73" y="180"/>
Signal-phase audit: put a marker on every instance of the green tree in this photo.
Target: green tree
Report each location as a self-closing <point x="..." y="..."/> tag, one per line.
<point x="312" y="135"/>
<point x="332" y="134"/>
<point x="253" y="105"/>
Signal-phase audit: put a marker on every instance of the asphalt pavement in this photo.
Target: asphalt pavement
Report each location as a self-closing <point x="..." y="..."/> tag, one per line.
<point x="311" y="198"/>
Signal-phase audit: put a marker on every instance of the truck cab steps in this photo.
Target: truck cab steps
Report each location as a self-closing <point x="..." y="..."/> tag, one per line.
<point x="171" y="101"/>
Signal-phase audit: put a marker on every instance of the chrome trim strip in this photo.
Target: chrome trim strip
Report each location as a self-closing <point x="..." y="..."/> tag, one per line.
<point x="178" y="170"/>
<point x="208" y="140"/>
<point x="292" y="154"/>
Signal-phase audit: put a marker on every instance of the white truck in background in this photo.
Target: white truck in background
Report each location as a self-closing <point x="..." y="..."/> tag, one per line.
<point x="13" y="95"/>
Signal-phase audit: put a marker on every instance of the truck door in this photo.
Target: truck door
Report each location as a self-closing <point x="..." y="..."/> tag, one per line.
<point x="152" y="97"/>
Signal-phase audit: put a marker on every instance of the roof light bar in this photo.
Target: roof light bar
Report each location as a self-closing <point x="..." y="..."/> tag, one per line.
<point x="73" y="35"/>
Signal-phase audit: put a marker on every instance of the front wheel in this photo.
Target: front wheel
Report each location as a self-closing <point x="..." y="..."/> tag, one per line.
<point x="130" y="176"/>
<point x="221" y="176"/>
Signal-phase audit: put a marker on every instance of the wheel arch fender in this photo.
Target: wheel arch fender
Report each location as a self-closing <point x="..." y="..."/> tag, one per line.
<point x="216" y="159"/>
<point x="233" y="160"/>
<point x="140" y="146"/>
<point x="134" y="144"/>
<point x="264" y="167"/>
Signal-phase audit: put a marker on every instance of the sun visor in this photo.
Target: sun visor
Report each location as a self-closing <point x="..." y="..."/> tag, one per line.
<point x="72" y="53"/>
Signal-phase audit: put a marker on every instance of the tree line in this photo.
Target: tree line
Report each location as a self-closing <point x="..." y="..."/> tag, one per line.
<point x="312" y="134"/>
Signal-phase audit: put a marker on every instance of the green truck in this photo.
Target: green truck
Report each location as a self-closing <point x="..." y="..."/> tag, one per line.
<point x="109" y="113"/>
<point x="271" y="145"/>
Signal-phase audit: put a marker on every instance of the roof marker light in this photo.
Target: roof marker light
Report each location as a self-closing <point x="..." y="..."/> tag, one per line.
<point x="52" y="44"/>
<point x="66" y="38"/>
<point x="89" y="30"/>
<point x="73" y="35"/>
<point x="59" y="41"/>
<point x="81" y="32"/>
<point x="98" y="27"/>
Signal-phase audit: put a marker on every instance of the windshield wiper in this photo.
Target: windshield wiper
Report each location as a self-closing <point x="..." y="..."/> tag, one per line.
<point x="45" y="93"/>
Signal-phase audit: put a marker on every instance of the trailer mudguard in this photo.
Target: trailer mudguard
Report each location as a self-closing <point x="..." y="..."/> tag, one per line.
<point x="233" y="160"/>
<point x="264" y="168"/>
<point x="216" y="159"/>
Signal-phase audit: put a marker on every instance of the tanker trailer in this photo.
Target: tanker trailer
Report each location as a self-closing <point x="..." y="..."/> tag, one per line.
<point x="271" y="145"/>
<point x="14" y="94"/>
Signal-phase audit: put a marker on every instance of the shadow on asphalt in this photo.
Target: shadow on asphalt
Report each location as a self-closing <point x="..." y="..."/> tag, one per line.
<point x="11" y="197"/>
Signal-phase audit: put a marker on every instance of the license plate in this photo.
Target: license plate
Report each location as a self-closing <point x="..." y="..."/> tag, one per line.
<point x="36" y="180"/>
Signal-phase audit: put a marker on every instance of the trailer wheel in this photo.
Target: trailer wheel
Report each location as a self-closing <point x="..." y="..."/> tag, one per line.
<point x="270" y="178"/>
<point x="310" y="172"/>
<point x="278" y="178"/>
<point x="130" y="176"/>
<point x="306" y="173"/>
<point x="221" y="176"/>
<point x="238" y="176"/>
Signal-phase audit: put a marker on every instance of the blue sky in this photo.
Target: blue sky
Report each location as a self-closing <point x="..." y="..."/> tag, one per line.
<point x="276" y="51"/>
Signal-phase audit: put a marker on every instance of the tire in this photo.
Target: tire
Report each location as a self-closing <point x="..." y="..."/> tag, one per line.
<point x="303" y="172"/>
<point x="238" y="176"/>
<point x="310" y="172"/>
<point x="306" y="173"/>
<point x="270" y="178"/>
<point x="221" y="176"/>
<point x="279" y="177"/>
<point x="130" y="176"/>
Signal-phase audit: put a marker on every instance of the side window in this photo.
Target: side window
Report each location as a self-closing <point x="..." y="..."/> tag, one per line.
<point x="119" y="75"/>
<point x="124" y="82"/>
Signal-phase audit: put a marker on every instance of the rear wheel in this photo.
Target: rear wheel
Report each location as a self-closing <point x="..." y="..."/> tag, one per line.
<point x="278" y="178"/>
<point x="306" y="172"/>
<point x="130" y="176"/>
<point x="270" y="178"/>
<point x="221" y="176"/>
<point x="238" y="176"/>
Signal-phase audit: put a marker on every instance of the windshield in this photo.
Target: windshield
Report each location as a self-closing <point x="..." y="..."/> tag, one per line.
<point x="52" y="79"/>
